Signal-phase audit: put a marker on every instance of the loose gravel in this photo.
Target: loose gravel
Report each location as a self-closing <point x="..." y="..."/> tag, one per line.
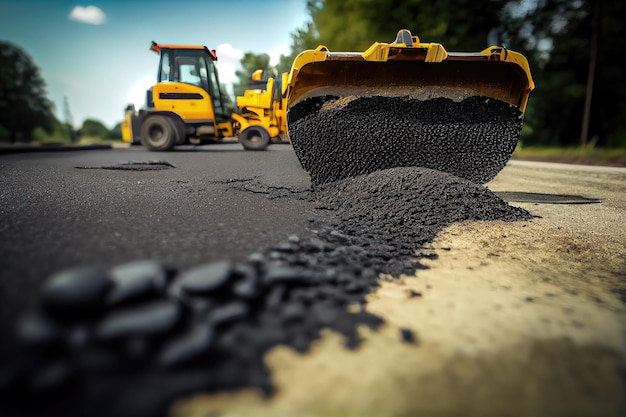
<point x="127" y="341"/>
<point x="336" y="138"/>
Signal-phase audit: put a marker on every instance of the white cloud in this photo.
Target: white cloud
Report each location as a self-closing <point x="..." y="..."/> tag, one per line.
<point x="228" y="59"/>
<point x="91" y="15"/>
<point x="277" y="52"/>
<point x="138" y="93"/>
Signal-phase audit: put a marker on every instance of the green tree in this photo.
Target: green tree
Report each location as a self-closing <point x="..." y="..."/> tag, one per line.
<point x="116" y="132"/>
<point x="306" y="37"/>
<point x="58" y="134"/>
<point x="23" y="102"/>
<point x="94" y="129"/>
<point x="302" y="39"/>
<point x="353" y="25"/>
<point x="573" y="48"/>
<point x="250" y="63"/>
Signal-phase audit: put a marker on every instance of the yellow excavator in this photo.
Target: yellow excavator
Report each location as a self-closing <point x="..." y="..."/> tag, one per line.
<point x="187" y="105"/>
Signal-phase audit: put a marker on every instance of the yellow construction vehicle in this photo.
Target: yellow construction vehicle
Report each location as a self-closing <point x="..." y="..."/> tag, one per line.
<point x="130" y="127"/>
<point x="406" y="103"/>
<point x="263" y="105"/>
<point x="187" y="105"/>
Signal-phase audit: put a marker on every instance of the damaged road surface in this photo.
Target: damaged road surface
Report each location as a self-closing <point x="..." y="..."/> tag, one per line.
<point x="228" y="284"/>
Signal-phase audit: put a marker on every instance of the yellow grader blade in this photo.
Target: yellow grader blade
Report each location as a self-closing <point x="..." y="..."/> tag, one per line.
<point x="406" y="103"/>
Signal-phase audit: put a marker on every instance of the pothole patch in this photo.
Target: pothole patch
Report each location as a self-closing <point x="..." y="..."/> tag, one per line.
<point x="255" y="186"/>
<point x="135" y="166"/>
<point x="522" y="197"/>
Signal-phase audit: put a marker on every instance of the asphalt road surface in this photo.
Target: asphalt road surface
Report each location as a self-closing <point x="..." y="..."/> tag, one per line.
<point x="518" y="319"/>
<point x="65" y="209"/>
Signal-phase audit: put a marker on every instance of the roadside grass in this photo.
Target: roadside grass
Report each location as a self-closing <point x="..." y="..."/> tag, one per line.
<point x="88" y="140"/>
<point x="615" y="157"/>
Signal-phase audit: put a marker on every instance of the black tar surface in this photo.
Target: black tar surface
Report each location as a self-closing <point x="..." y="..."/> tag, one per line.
<point x="472" y="139"/>
<point x="181" y="330"/>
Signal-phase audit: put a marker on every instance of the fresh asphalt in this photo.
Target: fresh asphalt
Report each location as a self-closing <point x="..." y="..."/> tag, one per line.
<point x="103" y="207"/>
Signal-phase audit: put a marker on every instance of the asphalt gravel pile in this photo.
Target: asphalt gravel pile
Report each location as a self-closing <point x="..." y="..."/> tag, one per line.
<point x="336" y="138"/>
<point x="128" y="340"/>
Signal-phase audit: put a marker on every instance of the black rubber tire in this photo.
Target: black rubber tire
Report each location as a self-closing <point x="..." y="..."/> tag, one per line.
<point x="179" y="127"/>
<point x="254" y="138"/>
<point x="158" y="133"/>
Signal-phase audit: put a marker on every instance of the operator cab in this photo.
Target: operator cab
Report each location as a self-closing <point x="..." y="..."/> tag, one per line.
<point x="193" y="65"/>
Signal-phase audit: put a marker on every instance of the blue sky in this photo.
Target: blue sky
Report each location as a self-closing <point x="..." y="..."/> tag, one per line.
<point x="96" y="53"/>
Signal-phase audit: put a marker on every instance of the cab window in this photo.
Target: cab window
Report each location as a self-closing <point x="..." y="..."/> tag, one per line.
<point x="216" y="90"/>
<point x="189" y="71"/>
<point x="164" y="75"/>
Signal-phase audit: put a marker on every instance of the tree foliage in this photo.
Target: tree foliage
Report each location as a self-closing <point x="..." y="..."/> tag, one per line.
<point x="23" y="102"/>
<point x="58" y="134"/>
<point x="353" y="25"/>
<point x="94" y="129"/>
<point x="565" y="39"/>
<point x="250" y="63"/>
<point x="562" y="39"/>
<point x="303" y="38"/>
<point x="306" y="37"/>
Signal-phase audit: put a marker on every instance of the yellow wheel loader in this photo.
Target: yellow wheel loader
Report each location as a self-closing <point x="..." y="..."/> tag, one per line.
<point x="187" y="105"/>
<point x="406" y="103"/>
<point x="263" y="106"/>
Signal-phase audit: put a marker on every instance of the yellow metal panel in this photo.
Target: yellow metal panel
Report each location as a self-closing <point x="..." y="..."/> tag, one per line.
<point x="190" y="102"/>
<point x="378" y="52"/>
<point x="127" y="135"/>
<point x="406" y="65"/>
<point x="436" y="52"/>
<point x="225" y="129"/>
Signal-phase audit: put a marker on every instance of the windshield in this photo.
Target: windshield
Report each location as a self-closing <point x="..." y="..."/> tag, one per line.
<point x="194" y="67"/>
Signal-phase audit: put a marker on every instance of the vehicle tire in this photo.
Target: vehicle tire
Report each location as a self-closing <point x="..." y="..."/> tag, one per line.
<point x="158" y="133"/>
<point x="179" y="127"/>
<point x="254" y="138"/>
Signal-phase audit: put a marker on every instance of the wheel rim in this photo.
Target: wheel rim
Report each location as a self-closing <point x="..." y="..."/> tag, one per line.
<point x="254" y="136"/>
<point x="157" y="135"/>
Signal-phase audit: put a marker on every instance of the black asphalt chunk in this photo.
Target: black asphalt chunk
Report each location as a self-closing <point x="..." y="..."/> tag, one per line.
<point x="187" y="346"/>
<point x="237" y="310"/>
<point x="76" y="291"/>
<point x="413" y="293"/>
<point x="287" y="275"/>
<point x="51" y="378"/>
<point x="206" y="279"/>
<point x="473" y="138"/>
<point x="247" y="289"/>
<point x="408" y="336"/>
<point x="208" y="328"/>
<point x="147" y="319"/>
<point x="135" y="280"/>
<point x="38" y="329"/>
